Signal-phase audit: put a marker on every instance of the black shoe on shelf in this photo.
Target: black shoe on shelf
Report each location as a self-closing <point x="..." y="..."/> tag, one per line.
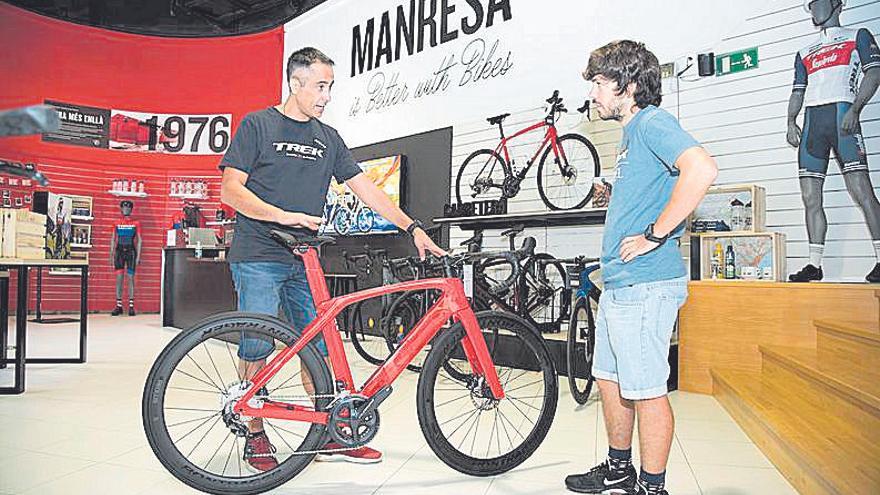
<point x="808" y="273"/>
<point x="130" y="311"/>
<point x="116" y="311"/>
<point x="874" y="276"/>
<point x="602" y="479"/>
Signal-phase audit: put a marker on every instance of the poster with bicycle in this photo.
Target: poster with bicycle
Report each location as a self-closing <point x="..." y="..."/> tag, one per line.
<point x="346" y="214"/>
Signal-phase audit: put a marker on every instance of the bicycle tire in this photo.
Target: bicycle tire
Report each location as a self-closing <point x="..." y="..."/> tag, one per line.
<point x="365" y="219"/>
<point x="399" y="320"/>
<point x="474" y="163"/>
<point x="342" y="221"/>
<point x="369" y="346"/>
<point x="544" y="302"/>
<point x="591" y="165"/>
<point x="581" y="330"/>
<point x="535" y="362"/>
<point x="217" y="329"/>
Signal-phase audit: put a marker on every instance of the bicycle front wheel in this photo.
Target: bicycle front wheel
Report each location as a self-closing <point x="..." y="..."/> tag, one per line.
<point x="401" y="317"/>
<point x="579" y="350"/>
<point x="545" y="297"/>
<point x="195" y="381"/>
<point x="565" y="182"/>
<point x="481" y="177"/>
<point x="466" y="427"/>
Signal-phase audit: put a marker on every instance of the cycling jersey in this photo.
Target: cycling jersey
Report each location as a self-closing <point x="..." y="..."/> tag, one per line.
<point x="126" y="231"/>
<point x="830" y="69"/>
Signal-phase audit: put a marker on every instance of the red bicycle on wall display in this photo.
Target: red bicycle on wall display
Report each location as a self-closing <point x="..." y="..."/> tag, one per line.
<point x="564" y="183"/>
<point x="485" y="398"/>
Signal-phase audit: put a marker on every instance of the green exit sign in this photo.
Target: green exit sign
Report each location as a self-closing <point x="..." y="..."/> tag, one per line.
<point x="733" y="62"/>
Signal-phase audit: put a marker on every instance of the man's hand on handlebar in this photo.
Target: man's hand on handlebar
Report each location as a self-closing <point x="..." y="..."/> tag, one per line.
<point x="424" y="244"/>
<point x="297" y="219"/>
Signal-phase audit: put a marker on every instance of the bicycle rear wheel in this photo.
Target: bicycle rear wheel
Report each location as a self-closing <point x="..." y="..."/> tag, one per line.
<point x="566" y="183"/>
<point x="401" y="317"/>
<point x="579" y="350"/>
<point x="192" y="386"/>
<point x="367" y="336"/>
<point x="545" y="296"/>
<point x="468" y="429"/>
<point x="481" y="177"/>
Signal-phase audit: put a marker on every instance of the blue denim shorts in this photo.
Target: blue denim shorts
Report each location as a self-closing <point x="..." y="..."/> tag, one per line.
<point x="633" y="328"/>
<point x="263" y="286"/>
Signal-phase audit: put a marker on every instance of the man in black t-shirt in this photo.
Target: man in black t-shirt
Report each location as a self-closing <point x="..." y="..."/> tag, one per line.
<point x="277" y="172"/>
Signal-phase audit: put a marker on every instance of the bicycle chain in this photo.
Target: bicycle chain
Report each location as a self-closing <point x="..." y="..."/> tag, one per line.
<point x="308" y="452"/>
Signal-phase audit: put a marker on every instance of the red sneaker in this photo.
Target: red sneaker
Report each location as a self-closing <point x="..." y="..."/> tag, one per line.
<point x="258" y="452"/>
<point x="360" y="455"/>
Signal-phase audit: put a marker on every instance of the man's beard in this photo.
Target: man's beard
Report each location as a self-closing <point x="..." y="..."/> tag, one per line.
<point x="615" y="113"/>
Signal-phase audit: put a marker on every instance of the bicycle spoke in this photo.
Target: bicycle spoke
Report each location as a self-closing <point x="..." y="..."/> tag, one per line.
<point x="234" y="364"/>
<point x="204" y="373"/>
<point x="193" y="390"/>
<point x="208" y="352"/>
<point x="200" y="380"/>
<point x="216" y="451"/>
<point x="193" y="420"/>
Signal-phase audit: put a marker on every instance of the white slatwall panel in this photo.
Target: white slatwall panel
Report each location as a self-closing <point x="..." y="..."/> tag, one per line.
<point x="741" y="121"/>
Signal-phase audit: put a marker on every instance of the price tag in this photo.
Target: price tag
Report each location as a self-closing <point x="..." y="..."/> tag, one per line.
<point x="467" y="274"/>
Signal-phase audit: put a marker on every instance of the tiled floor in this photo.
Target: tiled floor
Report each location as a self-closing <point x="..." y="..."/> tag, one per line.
<point x="77" y="429"/>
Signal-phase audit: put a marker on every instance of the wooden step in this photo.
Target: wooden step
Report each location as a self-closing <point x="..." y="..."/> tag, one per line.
<point x="815" y="460"/>
<point x="840" y="341"/>
<point x="849" y="381"/>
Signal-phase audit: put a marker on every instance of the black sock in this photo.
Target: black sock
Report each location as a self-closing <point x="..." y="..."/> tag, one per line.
<point x="618" y="460"/>
<point x="653" y="482"/>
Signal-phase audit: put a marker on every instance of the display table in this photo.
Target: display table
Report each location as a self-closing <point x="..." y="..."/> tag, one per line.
<point x="193" y="288"/>
<point x="21" y="313"/>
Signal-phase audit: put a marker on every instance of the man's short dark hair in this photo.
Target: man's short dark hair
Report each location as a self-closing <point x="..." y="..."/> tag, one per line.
<point x="626" y="62"/>
<point x="304" y="57"/>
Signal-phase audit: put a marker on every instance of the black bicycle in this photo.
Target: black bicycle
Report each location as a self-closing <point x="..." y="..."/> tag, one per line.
<point x="580" y="344"/>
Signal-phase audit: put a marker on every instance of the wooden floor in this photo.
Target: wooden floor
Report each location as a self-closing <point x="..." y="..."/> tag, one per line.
<point x="805" y="388"/>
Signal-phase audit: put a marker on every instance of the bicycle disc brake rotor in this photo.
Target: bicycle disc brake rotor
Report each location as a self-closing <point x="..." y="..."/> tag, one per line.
<point x="236" y="422"/>
<point x="481" y="395"/>
<point x="348" y="426"/>
<point x="569" y="175"/>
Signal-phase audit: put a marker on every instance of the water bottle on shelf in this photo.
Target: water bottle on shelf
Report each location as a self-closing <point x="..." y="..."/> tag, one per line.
<point x="730" y="263"/>
<point x="717" y="261"/>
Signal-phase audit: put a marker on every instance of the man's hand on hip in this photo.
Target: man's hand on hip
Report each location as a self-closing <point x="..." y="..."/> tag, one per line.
<point x="424" y="243"/>
<point x="634" y="246"/>
<point x="296" y="219"/>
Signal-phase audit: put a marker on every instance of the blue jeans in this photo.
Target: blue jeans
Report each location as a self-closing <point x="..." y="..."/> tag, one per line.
<point x="633" y="329"/>
<point x="263" y="286"/>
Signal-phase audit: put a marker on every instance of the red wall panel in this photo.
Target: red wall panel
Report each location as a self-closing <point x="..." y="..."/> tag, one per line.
<point x="45" y="58"/>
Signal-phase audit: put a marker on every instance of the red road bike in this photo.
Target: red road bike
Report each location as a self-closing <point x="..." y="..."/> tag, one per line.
<point x="485" y="398"/>
<point x="565" y="173"/>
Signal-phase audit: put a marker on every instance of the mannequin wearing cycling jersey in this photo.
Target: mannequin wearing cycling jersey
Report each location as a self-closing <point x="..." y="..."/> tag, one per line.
<point x="827" y="75"/>
<point x="125" y="254"/>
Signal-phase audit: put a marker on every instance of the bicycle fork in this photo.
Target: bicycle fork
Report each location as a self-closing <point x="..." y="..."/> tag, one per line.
<point x="477" y="352"/>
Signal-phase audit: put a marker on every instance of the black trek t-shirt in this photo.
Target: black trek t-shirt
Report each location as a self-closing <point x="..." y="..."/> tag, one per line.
<point x="289" y="165"/>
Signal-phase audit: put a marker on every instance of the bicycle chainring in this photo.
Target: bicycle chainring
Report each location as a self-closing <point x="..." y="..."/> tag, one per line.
<point x="348" y="426"/>
<point x="510" y="187"/>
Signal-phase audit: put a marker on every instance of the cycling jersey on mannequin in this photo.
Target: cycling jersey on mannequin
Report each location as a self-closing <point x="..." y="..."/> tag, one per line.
<point x="830" y="69"/>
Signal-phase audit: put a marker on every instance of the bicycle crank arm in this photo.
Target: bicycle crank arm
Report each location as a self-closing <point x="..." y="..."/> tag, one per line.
<point x="376" y="400"/>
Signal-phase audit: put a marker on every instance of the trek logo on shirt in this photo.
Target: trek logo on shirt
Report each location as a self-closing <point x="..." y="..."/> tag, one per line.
<point x="297" y="150"/>
<point x="830" y="56"/>
<point x="618" y="173"/>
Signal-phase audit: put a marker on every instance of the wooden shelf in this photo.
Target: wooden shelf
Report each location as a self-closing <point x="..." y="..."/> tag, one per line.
<point x="81" y="218"/>
<point x="189" y="196"/>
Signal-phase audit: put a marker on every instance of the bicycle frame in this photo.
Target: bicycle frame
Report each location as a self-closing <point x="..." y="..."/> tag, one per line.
<point x="452" y="304"/>
<point x="550" y="136"/>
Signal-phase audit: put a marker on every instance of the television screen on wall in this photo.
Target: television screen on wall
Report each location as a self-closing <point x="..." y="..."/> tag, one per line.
<point x="346" y="214"/>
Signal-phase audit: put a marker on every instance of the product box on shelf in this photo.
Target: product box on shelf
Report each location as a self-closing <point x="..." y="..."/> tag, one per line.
<point x="742" y="256"/>
<point x="736" y="208"/>
<point x="23" y="234"/>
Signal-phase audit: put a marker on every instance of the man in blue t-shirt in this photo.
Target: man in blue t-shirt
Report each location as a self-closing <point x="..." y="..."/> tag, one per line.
<point x="662" y="173"/>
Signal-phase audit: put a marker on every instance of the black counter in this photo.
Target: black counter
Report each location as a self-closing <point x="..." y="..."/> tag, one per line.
<point x="193" y="288"/>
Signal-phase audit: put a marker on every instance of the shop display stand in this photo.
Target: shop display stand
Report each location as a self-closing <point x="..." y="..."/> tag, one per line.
<point x="128" y="194"/>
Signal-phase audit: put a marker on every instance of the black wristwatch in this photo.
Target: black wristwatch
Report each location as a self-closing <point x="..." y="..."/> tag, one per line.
<point x="417" y="224"/>
<point x="649" y="235"/>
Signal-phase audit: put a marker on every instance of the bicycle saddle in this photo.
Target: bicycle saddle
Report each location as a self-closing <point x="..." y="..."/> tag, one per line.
<point x="497" y="119"/>
<point x="516" y="229"/>
<point x="294" y="240"/>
